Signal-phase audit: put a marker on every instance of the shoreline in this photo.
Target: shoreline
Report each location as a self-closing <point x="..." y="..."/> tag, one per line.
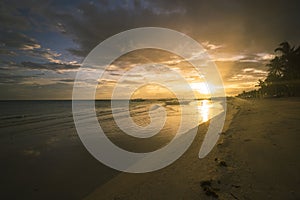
<point x="240" y="166"/>
<point x="147" y="185"/>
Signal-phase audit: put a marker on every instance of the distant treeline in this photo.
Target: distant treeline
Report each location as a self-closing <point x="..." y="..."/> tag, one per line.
<point x="283" y="77"/>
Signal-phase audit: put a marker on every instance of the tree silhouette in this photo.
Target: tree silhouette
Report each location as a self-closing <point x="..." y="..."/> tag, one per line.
<point x="284" y="71"/>
<point x="283" y="77"/>
<point x="276" y="67"/>
<point x="262" y="85"/>
<point x="289" y="60"/>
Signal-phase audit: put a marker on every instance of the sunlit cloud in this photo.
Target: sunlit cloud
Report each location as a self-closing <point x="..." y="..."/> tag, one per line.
<point x="265" y="56"/>
<point x="227" y="58"/>
<point x="255" y="71"/>
<point x="210" y="46"/>
<point x="26" y="47"/>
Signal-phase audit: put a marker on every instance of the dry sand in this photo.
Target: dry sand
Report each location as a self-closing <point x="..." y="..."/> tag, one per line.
<point x="256" y="158"/>
<point x="262" y="149"/>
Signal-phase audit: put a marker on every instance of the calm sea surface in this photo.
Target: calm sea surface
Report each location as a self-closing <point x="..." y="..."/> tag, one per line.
<point x="42" y="156"/>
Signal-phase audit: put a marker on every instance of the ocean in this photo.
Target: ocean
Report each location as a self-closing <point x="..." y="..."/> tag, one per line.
<point x="43" y="157"/>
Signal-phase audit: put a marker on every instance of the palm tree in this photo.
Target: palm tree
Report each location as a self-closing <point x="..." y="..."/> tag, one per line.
<point x="284" y="73"/>
<point x="289" y="60"/>
<point x="287" y="66"/>
<point x="262" y="86"/>
<point x="276" y="67"/>
<point x="285" y="48"/>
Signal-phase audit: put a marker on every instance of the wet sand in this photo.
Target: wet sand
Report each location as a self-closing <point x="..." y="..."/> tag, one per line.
<point x="257" y="157"/>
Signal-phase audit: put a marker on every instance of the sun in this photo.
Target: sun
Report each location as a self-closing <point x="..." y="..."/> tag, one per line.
<point x="200" y="87"/>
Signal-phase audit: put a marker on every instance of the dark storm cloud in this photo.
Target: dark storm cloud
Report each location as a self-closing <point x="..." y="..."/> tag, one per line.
<point x="49" y="66"/>
<point x="11" y="17"/>
<point x="66" y="80"/>
<point x="255" y="25"/>
<point x="92" y="23"/>
<point x="21" y="23"/>
<point x="12" y="79"/>
<point x="252" y="25"/>
<point x="11" y="40"/>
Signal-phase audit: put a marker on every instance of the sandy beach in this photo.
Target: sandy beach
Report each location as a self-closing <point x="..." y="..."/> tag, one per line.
<point x="256" y="158"/>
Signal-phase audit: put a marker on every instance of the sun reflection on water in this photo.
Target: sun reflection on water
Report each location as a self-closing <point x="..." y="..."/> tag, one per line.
<point x="204" y="110"/>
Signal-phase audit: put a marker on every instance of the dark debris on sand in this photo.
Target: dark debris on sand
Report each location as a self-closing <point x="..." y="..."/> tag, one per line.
<point x="221" y="163"/>
<point x="209" y="189"/>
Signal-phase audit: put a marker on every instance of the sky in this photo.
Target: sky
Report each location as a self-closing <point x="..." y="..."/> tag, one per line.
<point x="43" y="43"/>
